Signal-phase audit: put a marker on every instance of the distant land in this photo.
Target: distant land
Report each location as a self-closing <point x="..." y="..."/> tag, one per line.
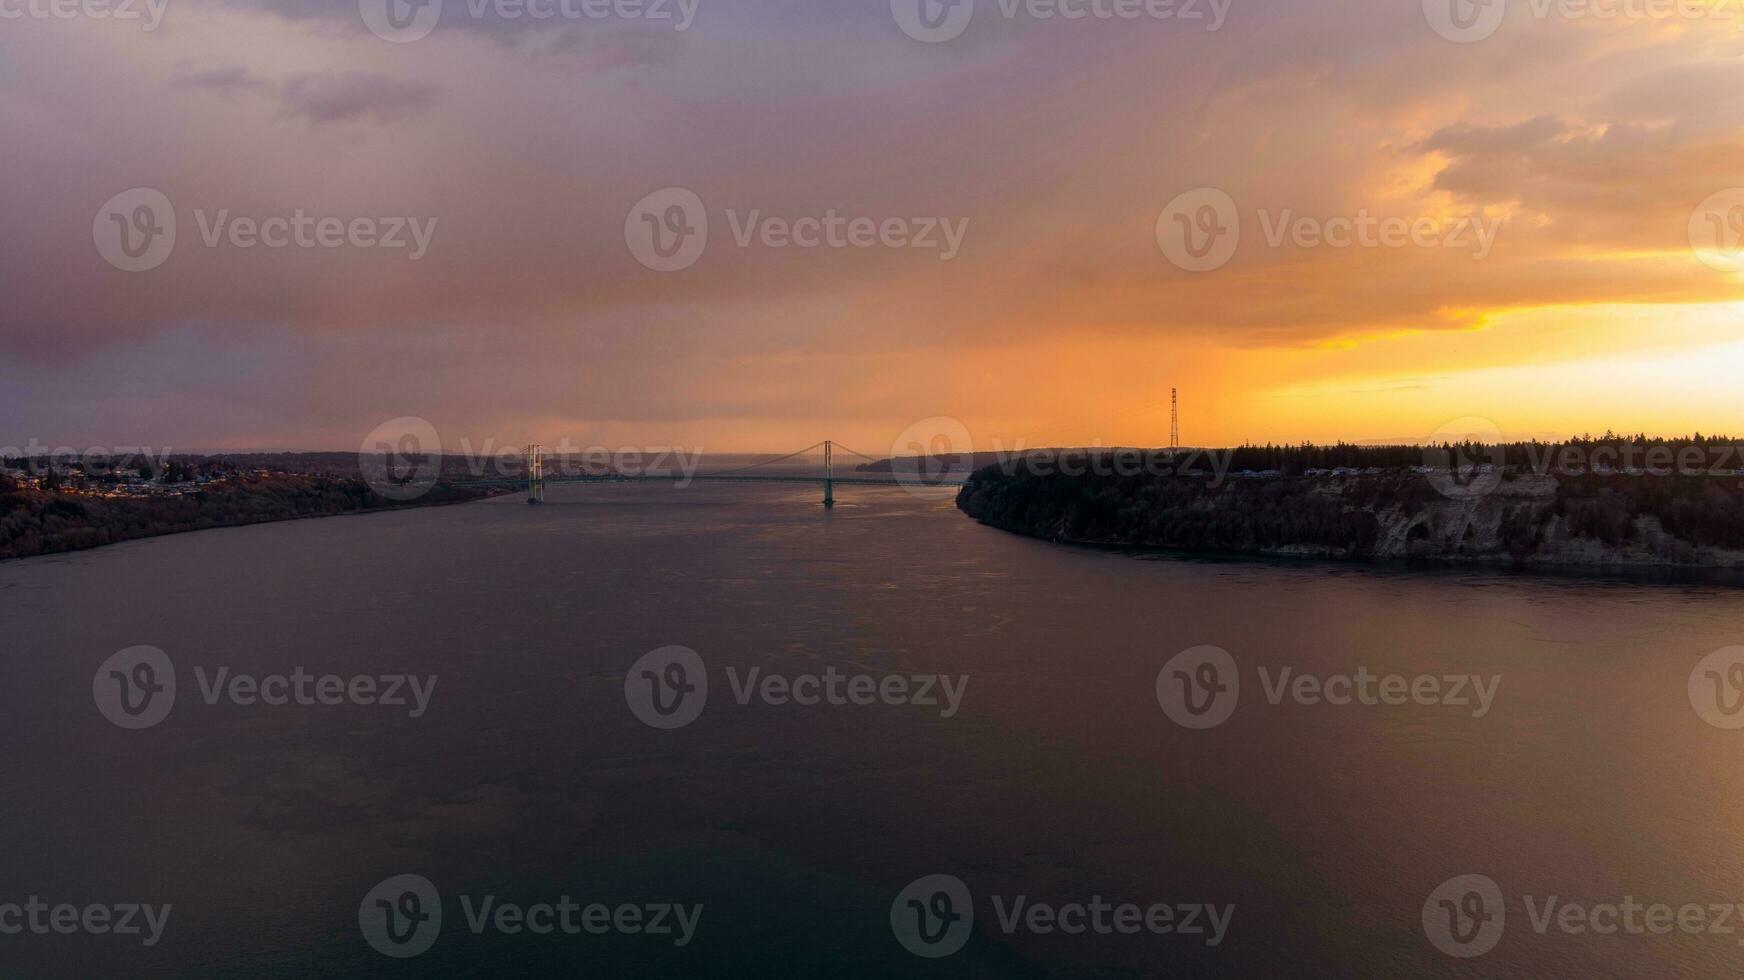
<point x="1606" y="501"/>
<point x="1594" y="501"/>
<point x="73" y="504"/>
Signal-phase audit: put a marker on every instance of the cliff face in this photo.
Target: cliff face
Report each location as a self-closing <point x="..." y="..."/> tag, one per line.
<point x="1529" y="519"/>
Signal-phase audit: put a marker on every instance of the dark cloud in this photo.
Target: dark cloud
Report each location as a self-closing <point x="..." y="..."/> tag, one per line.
<point x="324" y="97"/>
<point x="226" y="81"/>
<point x="327" y="97"/>
<point x="1060" y="141"/>
<point x="1464" y="139"/>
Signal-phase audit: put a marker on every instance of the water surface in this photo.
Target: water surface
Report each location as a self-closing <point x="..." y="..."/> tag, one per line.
<point x="1060" y="779"/>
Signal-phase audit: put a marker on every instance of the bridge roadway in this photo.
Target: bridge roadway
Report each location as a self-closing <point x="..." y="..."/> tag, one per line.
<point x="536" y="478"/>
<point x="679" y="477"/>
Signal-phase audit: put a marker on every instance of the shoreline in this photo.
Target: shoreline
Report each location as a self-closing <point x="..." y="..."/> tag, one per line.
<point x="233" y="525"/>
<point x="1638" y="572"/>
<point x="1613" y="528"/>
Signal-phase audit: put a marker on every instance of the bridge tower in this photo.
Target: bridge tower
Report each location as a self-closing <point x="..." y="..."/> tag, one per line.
<point x="535" y="474"/>
<point x="1174" y="421"/>
<point x="829" y="481"/>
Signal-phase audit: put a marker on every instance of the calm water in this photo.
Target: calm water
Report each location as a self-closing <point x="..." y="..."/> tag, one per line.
<point x="1060" y="778"/>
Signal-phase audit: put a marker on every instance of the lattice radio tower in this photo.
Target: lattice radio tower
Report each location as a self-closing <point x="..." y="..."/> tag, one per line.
<point x="1174" y="421"/>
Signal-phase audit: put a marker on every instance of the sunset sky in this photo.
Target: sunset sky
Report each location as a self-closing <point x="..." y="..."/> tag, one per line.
<point x="1594" y="145"/>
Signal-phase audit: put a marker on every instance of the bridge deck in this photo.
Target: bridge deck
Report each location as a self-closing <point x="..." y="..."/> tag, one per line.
<point x="849" y="481"/>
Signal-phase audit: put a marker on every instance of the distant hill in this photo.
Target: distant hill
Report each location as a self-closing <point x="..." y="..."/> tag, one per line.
<point x="37" y="521"/>
<point x="1507" y="514"/>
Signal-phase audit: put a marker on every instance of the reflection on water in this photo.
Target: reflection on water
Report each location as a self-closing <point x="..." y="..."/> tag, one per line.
<point x="1059" y="779"/>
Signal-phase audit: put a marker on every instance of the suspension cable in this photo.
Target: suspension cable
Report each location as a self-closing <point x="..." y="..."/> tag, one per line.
<point x="766" y="462"/>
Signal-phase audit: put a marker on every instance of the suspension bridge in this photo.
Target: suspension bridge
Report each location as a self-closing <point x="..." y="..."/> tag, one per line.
<point x="539" y="463"/>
